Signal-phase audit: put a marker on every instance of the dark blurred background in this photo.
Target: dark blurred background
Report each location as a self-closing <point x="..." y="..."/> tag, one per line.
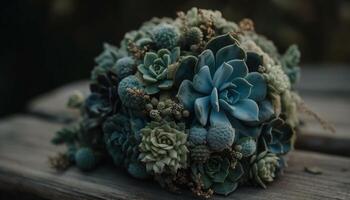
<point x="47" y="43"/>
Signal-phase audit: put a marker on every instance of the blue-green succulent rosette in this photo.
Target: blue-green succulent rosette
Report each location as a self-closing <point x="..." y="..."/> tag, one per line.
<point x="222" y="86"/>
<point x="194" y="101"/>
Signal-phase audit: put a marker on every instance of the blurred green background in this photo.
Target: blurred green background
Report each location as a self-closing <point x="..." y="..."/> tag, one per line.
<point x="47" y="43"/>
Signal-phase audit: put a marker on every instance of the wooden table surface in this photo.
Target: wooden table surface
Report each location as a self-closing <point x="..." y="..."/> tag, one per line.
<point x="25" y="146"/>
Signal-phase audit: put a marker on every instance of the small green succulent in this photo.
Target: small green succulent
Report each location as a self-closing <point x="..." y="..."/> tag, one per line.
<point x="263" y="168"/>
<point x="218" y="174"/>
<point x="163" y="147"/>
<point x="155" y="69"/>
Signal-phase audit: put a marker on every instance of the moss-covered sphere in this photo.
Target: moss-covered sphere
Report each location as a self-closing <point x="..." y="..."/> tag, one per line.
<point x="220" y="137"/>
<point x="85" y="159"/>
<point x="138" y="170"/>
<point x="124" y="67"/>
<point x="126" y="96"/>
<point x="198" y="135"/>
<point x="165" y="36"/>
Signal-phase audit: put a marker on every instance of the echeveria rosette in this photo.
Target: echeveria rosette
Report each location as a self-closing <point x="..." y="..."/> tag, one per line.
<point x="218" y="174"/>
<point x="222" y="86"/>
<point x="277" y="136"/>
<point x="155" y="69"/>
<point x="163" y="147"/>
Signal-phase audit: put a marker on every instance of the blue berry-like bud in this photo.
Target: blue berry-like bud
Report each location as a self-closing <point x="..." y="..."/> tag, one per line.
<point x="198" y="135"/>
<point x="165" y="36"/>
<point x="137" y="170"/>
<point x="220" y="137"/>
<point x="85" y="159"/>
<point x="125" y="67"/>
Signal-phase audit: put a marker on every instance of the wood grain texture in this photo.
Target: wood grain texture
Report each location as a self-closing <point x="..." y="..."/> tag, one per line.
<point x="24" y="147"/>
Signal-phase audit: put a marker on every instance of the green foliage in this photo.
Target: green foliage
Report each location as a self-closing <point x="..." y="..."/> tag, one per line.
<point x="163" y="147"/>
<point x="263" y="168"/>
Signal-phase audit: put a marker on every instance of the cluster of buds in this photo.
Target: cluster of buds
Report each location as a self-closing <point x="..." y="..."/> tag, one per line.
<point x="167" y="109"/>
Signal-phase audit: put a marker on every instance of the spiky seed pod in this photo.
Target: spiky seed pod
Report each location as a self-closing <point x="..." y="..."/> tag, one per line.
<point x="124" y="67"/>
<point x="200" y="153"/>
<point x="163" y="147"/>
<point x="194" y="35"/>
<point x="137" y="170"/>
<point x="198" y="135"/>
<point x="248" y="146"/>
<point x="85" y="159"/>
<point x="220" y="137"/>
<point x="165" y="36"/>
<point x="128" y="92"/>
<point x="263" y="168"/>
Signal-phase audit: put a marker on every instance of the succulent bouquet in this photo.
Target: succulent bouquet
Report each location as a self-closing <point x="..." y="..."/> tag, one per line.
<point x="196" y="101"/>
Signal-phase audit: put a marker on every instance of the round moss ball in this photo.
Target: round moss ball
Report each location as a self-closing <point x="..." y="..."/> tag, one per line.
<point x="138" y="170"/>
<point x="248" y="145"/>
<point x="165" y="36"/>
<point x="124" y="67"/>
<point x="220" y="137"/>
<point x="85" y="159"/>
<point x="198" y="135"/>
<point x="127" y="98"/>
<point x="193" y="36"/>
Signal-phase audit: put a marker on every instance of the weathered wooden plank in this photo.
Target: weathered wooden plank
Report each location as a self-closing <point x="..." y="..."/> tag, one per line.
<point x="24" y="147"/>
<point x="53" y="105"/>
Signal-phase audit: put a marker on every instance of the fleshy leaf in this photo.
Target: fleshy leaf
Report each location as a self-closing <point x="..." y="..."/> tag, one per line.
<point x="202" y="81"/>
<point x="187" y="94"/>
<point x="142" y="69"/>
<point x="175" y="54"/>
<point x="201" y="109"/>
<point x="246" y="110"/>
<point x="214" y="99"/>
<point x="149" y="58"/>
<point x="185" y="69"/>
<point x="240" y="69"/>
<point x="254" y="61"/>
<point x="149" y="79"/>
<point x="166" y="84"/>
<point x="222" y="74"/>
<point x="151" y="89"/>
<point x="220" y="41"/>
<point x="243" y="87"/>
<point x="259" y="88"/>
<point x="206" y="58"/>
<point x="225" y="188"/>
<point x="266" y="110"/>
<point x="218" y="118"/>
<point x="231" y="52"/>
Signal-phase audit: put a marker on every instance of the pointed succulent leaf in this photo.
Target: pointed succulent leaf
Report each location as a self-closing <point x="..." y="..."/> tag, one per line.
<point x="175" y="54"/>
<point x="206" y="58"/>
<point x="246" y="110"/>
<point x="202" y="81"/>
<point x="266" y="110"/>
<point x="201" y="109"/>
<point x="142" y="69"/>
<point x="240" y="69"/>
<point x="243" y="87"/>
<point x="225" y="188"/>
<point x="259" y="88"/>
<point x="149" y="78"/>
<point x="254" y="61"/>
<point x="236" y="173"/>
<point x="149" y="58"/>
<point x="220" y="41"/>
<point x="214" y="100"/>
<point x="222" y="74"/>
<point x="218" y="118"/>
<point x="185" y="69"/>
<point x="227" y="53"/>
<point x="187" y="94"/>
<point x="152" y="89"/>
<point x="166" y="84"/>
